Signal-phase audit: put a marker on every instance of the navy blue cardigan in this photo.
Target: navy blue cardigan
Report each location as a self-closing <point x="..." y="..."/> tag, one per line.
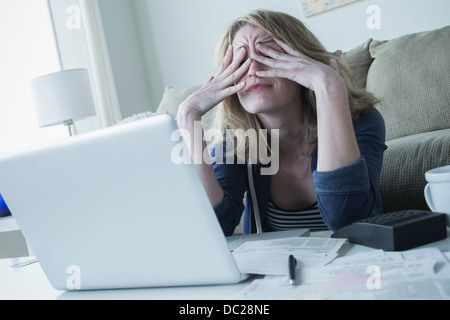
<point x="343" y="195"/>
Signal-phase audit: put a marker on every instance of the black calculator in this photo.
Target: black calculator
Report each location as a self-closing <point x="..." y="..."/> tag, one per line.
<point x="396" y="231"/>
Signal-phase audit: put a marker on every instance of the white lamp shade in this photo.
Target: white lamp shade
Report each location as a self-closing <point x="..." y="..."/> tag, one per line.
<point x="62" y="97"/>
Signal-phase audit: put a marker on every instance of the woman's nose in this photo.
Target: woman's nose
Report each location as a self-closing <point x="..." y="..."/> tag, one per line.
<point x="254" y="66"/>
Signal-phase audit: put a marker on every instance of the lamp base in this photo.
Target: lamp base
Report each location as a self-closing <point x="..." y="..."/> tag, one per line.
<point x="69" y="125"/>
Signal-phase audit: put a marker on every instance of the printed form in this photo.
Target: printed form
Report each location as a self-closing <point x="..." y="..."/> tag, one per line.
<point x="270" y="257"/>
<point x="417" y="274"/>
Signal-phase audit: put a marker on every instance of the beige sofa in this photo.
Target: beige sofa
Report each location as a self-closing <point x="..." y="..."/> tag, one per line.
<point x="411" y="77"/>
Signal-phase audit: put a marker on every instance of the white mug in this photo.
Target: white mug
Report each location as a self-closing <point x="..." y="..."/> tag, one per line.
<point x="437" y="190"/>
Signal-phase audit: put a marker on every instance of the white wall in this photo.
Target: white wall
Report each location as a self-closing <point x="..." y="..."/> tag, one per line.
<point x="178" y="38"/>
<point x="345" y="28"/>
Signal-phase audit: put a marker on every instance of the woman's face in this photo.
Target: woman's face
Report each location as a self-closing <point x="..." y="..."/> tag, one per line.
<point x="262" y="95"/>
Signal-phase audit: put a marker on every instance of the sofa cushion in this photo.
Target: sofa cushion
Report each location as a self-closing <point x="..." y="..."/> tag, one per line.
<point x="172" y="99"/>
<point x="405" y="162"/>
<point x="411" y="77"/>
<point x="359" y="61"/>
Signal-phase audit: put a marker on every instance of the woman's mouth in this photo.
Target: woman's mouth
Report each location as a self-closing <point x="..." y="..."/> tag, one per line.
<point x="258" y="87"/>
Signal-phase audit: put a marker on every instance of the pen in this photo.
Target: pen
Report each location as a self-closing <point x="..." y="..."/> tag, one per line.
<point x="292" y="263"/>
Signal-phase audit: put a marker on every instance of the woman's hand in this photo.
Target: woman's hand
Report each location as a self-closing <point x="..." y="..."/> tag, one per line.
<point x="296" y="66"/>
<point x="337" y="145"/>
<point x="222" y="85"/>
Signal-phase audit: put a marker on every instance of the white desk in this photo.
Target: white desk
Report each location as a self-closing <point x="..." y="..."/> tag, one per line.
<point x="30" y="282"/>
<point x="11" y="235"/>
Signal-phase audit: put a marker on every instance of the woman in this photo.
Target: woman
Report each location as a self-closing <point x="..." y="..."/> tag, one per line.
<point x="275" y="75"/>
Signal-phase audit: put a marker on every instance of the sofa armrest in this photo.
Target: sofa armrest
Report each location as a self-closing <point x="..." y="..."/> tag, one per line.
<point x="405" y="162"/>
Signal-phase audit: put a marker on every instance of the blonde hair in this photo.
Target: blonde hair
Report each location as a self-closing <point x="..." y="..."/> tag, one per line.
<point x="231" y="114"/>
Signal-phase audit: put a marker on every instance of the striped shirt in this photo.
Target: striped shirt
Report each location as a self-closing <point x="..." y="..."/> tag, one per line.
<point x="280" y="219"/>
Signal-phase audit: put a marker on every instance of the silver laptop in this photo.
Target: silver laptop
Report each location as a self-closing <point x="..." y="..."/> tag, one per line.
<point x="111" y="209"/>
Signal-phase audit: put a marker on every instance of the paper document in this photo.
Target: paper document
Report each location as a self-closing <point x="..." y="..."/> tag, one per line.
<point x="270" y="257"/>
<point x="413" y="274"/>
